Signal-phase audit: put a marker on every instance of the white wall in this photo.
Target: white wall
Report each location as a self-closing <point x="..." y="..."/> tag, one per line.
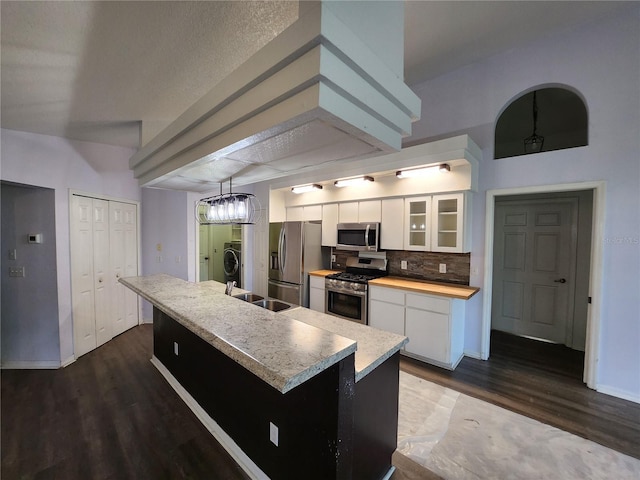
<point x="63" y="164"/>
<point x="602" y="62"/>
<point x="164" y="249"/>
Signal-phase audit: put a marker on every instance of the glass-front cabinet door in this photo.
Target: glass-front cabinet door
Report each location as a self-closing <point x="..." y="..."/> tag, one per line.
<point x="417" y="223"/>
<point x="447" y="223"/>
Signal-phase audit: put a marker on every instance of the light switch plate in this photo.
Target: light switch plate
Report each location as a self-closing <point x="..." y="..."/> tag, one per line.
<point x="175" y="348"/>
<point x="403" y="264"/>
<point x="13" y="254"/>
<point x="443" y="268"/>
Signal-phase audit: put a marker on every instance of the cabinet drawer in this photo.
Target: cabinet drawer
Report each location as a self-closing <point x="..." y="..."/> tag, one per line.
<point x="316" y="282"/>
<point x="429" y="302"/>
<point x="391" y="295"/>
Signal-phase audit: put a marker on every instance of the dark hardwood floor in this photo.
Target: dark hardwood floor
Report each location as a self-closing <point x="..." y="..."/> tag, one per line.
<point x="111" y="415"/>
<point x="542" y="381"/>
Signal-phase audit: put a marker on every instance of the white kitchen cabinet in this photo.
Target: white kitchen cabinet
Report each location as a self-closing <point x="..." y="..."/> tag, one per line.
<point x="392" y="224"/>
<point x="369" y="211"/>
<point x="433" y="324"/>
<point x="366" y="211"/>
<point x="386" y="309"/>
<point x="295" y="214"/>
<point x="329" y="225"/>
<point x="449" y="232"/>
<point x="348" y="212"/>
<point x="417" y="223"/>
<point x="304" y="214"/>
<point x="316" y="293"/>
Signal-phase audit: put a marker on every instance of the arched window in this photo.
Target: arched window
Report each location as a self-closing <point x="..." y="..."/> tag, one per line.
<point x="540" y="121"/>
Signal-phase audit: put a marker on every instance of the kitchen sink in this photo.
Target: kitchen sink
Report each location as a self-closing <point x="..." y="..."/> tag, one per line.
<point x="273" y="305"/>
<point x="249" y="297"/>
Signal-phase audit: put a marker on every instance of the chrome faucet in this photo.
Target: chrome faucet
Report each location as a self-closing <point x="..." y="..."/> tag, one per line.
<point x="229" y="289"/>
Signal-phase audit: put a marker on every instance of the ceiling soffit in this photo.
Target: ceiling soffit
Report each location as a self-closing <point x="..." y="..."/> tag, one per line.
<point x="315" y="94"/>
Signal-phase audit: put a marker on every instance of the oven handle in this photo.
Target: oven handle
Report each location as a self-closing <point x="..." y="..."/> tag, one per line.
<point x="346" y="292"/>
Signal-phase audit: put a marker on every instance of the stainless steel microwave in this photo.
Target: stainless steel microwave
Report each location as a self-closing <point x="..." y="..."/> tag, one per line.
<point x="363" y="237"/>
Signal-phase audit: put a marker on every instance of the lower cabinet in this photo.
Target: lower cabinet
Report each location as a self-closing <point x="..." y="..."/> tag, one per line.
<point x="316" y="293"/>
<point x="434" y="324"/>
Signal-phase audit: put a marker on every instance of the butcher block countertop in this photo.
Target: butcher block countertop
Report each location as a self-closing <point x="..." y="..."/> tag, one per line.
<point x="421" y="286"/>
<point x="323" y="273"/>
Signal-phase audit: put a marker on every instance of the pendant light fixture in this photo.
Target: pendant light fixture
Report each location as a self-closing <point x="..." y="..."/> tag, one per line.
<point x="533" y="143"/>
<point x="228" y="208"/>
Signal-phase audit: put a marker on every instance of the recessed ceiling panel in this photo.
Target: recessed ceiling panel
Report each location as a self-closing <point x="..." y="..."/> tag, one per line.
<point x="295" y="142"/>
<point x="215" y="170"/>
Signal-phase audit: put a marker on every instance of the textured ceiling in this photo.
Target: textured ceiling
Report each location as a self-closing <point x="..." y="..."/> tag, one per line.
<point x="95" y="70"/>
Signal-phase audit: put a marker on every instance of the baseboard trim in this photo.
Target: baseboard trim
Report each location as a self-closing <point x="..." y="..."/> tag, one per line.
<point x="475" y="355"/>
<point x="218" y="433"/>
<point x="36" y="365"/>
<point x="616" y="392"/>
<point x="68" y="361"/>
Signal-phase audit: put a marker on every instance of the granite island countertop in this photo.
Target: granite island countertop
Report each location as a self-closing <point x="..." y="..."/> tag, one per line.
<point x="374" y="345"/>
<point x="279" y="349"/>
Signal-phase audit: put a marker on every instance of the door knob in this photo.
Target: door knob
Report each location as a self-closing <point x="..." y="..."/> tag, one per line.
<point x="561" y="280"/>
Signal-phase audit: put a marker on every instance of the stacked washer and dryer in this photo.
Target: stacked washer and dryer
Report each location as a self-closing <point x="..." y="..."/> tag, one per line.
<point x="232" y="261"/>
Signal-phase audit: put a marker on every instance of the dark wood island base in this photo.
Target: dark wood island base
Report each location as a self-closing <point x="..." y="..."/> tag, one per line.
<point x="329" y="427"/>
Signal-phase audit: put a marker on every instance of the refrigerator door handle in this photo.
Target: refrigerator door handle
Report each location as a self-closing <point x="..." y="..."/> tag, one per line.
<point x="281" y="251"/>
<point x="366" y="236"/>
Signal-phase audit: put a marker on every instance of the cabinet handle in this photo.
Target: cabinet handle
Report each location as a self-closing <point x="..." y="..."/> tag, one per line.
<point x="561" y="280"/>
<point x="100" y="280"/>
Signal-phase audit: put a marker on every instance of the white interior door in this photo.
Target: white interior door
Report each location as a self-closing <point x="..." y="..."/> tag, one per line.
<point x="82" y="278"/>
<point x="534" y="268"/>
<point x="124" y="263"/>
<point x="101" y="271"/>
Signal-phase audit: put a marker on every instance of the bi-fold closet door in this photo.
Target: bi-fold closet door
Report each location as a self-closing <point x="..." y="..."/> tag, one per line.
<point x="104" y="247"/>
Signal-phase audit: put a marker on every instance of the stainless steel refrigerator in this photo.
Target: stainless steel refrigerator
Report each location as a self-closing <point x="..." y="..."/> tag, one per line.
<point x="294" y="251"/>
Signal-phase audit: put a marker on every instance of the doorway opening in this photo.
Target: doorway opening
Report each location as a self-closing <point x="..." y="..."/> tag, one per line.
<point x="220" y="253"/>
<point x="543" y="262"/>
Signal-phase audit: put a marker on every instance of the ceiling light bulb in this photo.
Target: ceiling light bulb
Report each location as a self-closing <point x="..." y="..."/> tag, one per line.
<point x="350" y="182"/>
<point x="306" y="188"/>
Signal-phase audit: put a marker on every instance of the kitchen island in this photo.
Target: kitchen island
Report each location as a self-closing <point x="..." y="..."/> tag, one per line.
<point x="288" y="398"/>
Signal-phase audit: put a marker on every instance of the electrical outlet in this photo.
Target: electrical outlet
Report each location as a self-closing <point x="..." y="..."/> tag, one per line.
<point x="16" y="271"/>
<point x="175" y="348"/>
<point x="333" y="258"/>
<point x="443" y="268"/>
<point x="273" y="433"/>
<point x="403" y="264"/>
<point x="178" y="259"/>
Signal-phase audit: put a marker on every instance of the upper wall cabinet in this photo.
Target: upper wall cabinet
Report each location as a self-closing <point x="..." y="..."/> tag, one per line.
<point x="359" y="212"/>
<point x="450" y="231"/>
<point x="417" y="222"/>
<point x="329" y="225"/>
<point x="304" y="214"/>
<point x="437" y="223"/>
<point x="392" y="224"/>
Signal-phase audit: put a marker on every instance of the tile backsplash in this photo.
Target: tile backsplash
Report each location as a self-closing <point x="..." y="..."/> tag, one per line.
<point x="420" y="265"/>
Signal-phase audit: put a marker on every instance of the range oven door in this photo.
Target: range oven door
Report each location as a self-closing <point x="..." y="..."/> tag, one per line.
<point x="348" y="305"/>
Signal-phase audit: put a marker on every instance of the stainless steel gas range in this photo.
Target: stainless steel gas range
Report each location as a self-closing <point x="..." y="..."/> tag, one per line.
<point x="346" y="293"/>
